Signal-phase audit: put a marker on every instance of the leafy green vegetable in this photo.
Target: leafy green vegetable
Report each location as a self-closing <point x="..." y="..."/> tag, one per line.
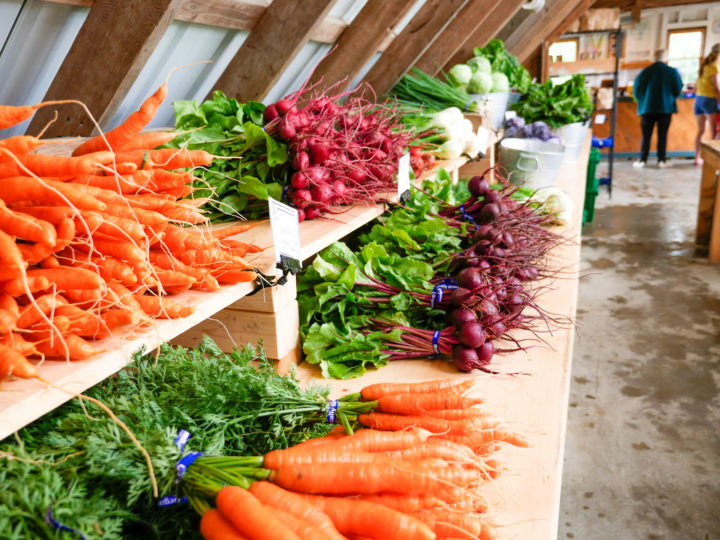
<point x="556" y="104"/>
<point x="502" y="61"/>
<point x="239" y="186"/>
<point x="419" y="90"/>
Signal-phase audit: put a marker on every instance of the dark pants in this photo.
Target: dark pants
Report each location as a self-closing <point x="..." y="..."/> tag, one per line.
<point x="647" y="123"/>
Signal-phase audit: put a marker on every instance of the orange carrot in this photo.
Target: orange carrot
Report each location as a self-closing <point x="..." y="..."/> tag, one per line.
<point x="146" y="217"/>
<point x="403" y="502"/>
<point x="71" y="347"/>
<point x="10" y="256"/>
<point x="420" y="404"/>
<point x="250" y="517"/>
<point x="479" y="438"/>
<point x="234" y="275"/>
<point x="51" y="166"/>
<point x="161" y="308"/>
<point x="369" y="440"/>
<point x="7" y="320"/>
<point x="434" y="448"/>
<point x="26" y="227"/>
<point x="304" y="529"/>
<point x="178" y="240"/>
<point x="148" y="140"/>
<point x="114" y="183"/>
<point x="10" y="115"/>
<point x="203" y="278"/>
<point x="16" y="287"/>
<point x="213" y="526"/>
<point x="21" y="144"/>
<point x="375" y="391"/>
<point x="125" y="132"/>
<point x="226" y="232"/>
<point x="356" y="517"/>
<point x="8" y="303"/>
<point x="67" y="277"/>
<point x="17" y="342"/>
<point x="166" y="158"/>
<point x="162" y="179"/>
<point x="50" y="261"/>
<point x="24" y="188"/>
<point x="170" y="279"/>
<point x="397" y="422"/>
<point x="473" y="525"/>
<point x="123" y="250"/>
<point x="276" y="497"/>
<point x="14" y="363"/>
<point x="182" y="214"/>
<point x="65" y="233"/>
<point x="318" y="453"/>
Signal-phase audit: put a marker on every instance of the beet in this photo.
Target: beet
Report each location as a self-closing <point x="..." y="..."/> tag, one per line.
<point x="465" y="359"/>
<point x="488" y="307"/>
<point x="484" y="265"/>
<point x="460" y="296"/>
<point x="301" y="161"/>
<point x="490" y="212"/>
<point x="485" y="352"/>
<point x="462" y="316"/>
<point x="471" y="334"/>
<point x="302" y="198"/>
<point x="299" y="180"/>
<point x="492" y="196"/>
<point x="470" y="278"/>
<point x="317" y="174"/>
<point x="498" y="329"/>
<point x="478" y="186"/>
<point x="482" y="233"/>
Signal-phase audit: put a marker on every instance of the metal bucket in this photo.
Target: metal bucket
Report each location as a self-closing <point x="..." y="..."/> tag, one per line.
<point x="573" y="136"/>
<point x="531" y="163"/>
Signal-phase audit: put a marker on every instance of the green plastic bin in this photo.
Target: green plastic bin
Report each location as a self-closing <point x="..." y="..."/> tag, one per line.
<point x="591" y="186"/>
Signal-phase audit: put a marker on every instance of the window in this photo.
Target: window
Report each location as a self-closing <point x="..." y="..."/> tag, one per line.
<point x="565" y="50"/>
<point x="685" y="51"/>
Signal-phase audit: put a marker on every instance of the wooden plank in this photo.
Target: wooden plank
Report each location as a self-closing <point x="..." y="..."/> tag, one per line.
<point x="269" y="300"/>
<point x="564" y="24"/>
<point x="110" y="50"/>
<point x="360" y="41"/>
<point x="538" y="26"/>
<point x="497" y="18"/>
<point x="410" y="44"/>
<point x="282" y="30"/>
<point x="627" y="5"/>
<point x="708" y="217"/>
<point x="536" y="405"/>
<point x="472" y="15"/>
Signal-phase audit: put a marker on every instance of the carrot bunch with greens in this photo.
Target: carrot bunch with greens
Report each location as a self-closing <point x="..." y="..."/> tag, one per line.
<point x="102" y="239"/>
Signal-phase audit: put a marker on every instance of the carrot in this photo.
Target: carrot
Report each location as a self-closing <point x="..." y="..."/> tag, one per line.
<point x="18" y="343"/>
<point x="10" y="256"/>
<point x="369" y="440"/>
<point x="419" y="404"/>
<point x="375" y="391"/>
<point x="67" y="277"/>
<point x="403" y="502"/>
<point x="149" y="218"/>
<point x="177" y="239"/>
<point x="51" y="166"/>
<point x="318" y="453"/>
<point x="16" y="287"/>
<point x="182" y="214"/>
<point x="434" y="448"/>
<point x="7" y="320"/>
<point x="250" y="517"/>
<point x="213" y="526"/>
<point x="14" y="363"/>
<point x="397" y="422"/>
<point x="21" y="144"/>
<point x="234" y="275"/>
<point x="25" y="188"/>
<point x="276" y="497"/>
<point x="474" y="525"/>
<point x="10" y="115"/>
<point x="108" y="267"/>
<point x="7" y="274"/>
<point x="125" y="132"/>
<point x="166" y="158"/>
<point x="8" y="303"/>
<point x="50" y="261"/>
<point x="123" y="250"/>
<point x="178" y="192"/>
<point x="469" y="414"/>
<point x="115" y="183"/>
<point x="226" y="232"/>
<point x="65" y="232"/>
<point x="372" y="520"/>
<point x="304" y="529"/>
<point x="34" y="312"/>
<point x="26" y="227"/>
<point x="203" y="278"/>
<point x="122" y="229"/>
<point x="52" y="214"/>
<point x="161" y="308"/>
<point x="71" y="347"/>
<point x="174" y="279"/>
<point x="148" y="140"/>
<point x="162" y="179"/>
<point x="477" y="439"/>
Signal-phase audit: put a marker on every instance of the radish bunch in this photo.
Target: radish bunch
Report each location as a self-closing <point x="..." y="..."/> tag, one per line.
<point x="342" y="153"/>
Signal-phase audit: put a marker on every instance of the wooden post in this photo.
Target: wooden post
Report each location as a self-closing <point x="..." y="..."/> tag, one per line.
<point x="282" y="30"/>
<point x="497" y="18"/>
<point x="360" y="41"/>
<point x="110" y="50"/>
<point x="407" y="47"/>
<point x="472" y="15"/>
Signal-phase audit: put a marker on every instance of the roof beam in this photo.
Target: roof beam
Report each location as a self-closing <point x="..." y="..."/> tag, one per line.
<point x="360" y="41"/>
<point x="411" y="43"/>
<point x="496" y="19"/>
<point x="560" y="29"/>
<point x="281" y="31"/>
<point x="111" y="48"/>
<point x="627" y="5"/>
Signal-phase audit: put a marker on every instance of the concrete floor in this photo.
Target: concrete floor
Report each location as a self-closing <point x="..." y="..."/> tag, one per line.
<point x="642" y="457"/>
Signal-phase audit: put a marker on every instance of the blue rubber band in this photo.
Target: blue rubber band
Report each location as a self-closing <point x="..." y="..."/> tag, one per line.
<point x="59" y="526"/>
<point x="172" y="500"/>
<point x="467" y="104"/>
<point x="181" y="467"/>
<point x="185" y="462"/>
<point x="437" y="293"/>
<point x="332" y="409"/>
<point x="467" y="216"/>
<point x="436" y="337"/>
<point x="284" y="193"/>
<point x="182" y="439"/>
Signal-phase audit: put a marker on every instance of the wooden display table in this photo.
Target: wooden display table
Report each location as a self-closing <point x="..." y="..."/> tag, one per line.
<point x="708" y="221"/>
<point x="526" y="500"/>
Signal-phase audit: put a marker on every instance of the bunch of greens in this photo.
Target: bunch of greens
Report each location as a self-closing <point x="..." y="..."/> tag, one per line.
<point x="85" y="469"/>
<point x="421" y="91"/>
<point x="556" y="104"/>
<point x="386" y="276"/>
<point x="502" y="61"/>
<point x="254" y="170"/>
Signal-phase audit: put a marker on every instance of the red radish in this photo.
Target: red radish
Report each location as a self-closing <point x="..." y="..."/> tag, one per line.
<point x="301" y="215"/>
<point x="302" y="198"/>
<point x="286" y="131"/>
<point x="283" y="106"/>
<point x="312" y="212"/>
<point x="319" y="152"/>
<point x="270" y="113"/>
<point x="322" y="193"/>
<point x="299" y="180"/>
<point x="301" y="161"/>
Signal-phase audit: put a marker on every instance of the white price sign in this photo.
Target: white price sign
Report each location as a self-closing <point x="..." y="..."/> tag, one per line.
<point x="403" y="175"/>
<point x="483" y="140"/>
<point x="285" y="230"/>
<point x="509" y="115"/>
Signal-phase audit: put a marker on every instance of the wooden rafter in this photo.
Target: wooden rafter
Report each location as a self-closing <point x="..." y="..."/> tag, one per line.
<point x="111" y="48"/>
<point x="472" y="15"/>
<point x="529" y="35"/>
<point x="563" y="25"/>
<point x="361" y="40"/>
<point x="628" y="5"/>
<point x="495" y="20"/>
<point x="410" y="44"/>
<point x="282" y="30"/>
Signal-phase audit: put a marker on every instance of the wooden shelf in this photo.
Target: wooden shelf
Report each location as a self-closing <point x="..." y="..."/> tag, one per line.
<point x="22" y="401"/>
<point x="527" y="499"/>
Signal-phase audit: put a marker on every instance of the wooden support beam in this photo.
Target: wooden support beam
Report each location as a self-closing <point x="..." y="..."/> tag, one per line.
<point x="626" y="5"/>
<point x="111" y="48"/>
<point x="538" y="26"/>
<point x="563" y="25"/>
<point x="485" y="31"/>
<point x="411" y="43"/>
<point x="361" y="40"/>
<point x="472" y="15"/>
<point x="282" y="30"/>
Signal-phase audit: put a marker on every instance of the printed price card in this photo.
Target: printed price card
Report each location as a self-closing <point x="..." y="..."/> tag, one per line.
<point x="286" y="234"/>
<point x="403" y="177"/>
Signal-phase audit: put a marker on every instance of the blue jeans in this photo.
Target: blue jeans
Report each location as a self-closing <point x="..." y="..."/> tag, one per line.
<point x="705" y="105"/>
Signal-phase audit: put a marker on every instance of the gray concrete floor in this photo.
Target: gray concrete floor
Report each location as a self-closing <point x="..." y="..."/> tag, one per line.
<point x="642" y="455"/>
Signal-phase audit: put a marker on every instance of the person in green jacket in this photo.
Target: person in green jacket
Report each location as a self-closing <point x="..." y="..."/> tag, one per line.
<point x="655" y="90"/>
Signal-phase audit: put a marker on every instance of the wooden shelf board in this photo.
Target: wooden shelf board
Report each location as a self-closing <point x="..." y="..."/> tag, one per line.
<point x="528" y="497"/>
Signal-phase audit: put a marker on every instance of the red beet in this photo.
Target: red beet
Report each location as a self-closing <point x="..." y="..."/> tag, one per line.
<point x="471" y="334"/>
<point x="465" y="359"/>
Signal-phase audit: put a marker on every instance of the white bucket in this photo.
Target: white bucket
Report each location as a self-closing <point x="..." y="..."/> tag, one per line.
<point x="493" y="106"/>
<point x="531" y="163"/>
<point x="573" y="137"/>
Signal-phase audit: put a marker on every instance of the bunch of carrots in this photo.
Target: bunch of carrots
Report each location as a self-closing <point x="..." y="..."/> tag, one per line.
<point x="415" y="475"/>
<point x="98" y="240"/>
